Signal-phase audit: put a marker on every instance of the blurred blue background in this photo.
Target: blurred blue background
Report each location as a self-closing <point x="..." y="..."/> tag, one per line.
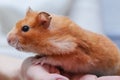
<point x="101" y="16"/>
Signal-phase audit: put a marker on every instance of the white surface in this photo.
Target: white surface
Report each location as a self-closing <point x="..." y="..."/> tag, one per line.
<point x="57" y="6"/>
<point x="9" y="66"/>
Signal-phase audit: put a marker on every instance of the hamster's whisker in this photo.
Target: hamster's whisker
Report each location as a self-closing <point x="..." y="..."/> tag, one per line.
<point x="17" y="45"/>
<point x="20" y="47"/>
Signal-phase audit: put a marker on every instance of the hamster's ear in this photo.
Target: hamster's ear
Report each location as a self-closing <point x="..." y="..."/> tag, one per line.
<point x="44" y="19"/>
<point x="29" y="11"/>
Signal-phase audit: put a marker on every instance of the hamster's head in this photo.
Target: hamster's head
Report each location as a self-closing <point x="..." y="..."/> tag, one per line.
<point x="30" y="31"/>
<point x="42" y="33"/>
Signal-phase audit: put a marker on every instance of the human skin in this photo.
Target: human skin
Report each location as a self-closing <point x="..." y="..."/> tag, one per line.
<point x="30" y="71"/>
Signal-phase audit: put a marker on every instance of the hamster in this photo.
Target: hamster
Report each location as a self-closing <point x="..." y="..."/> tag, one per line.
<point x="63" y="43"/>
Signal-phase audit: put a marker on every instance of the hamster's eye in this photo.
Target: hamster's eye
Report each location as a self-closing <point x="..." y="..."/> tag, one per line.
<point x="25" y="28"/>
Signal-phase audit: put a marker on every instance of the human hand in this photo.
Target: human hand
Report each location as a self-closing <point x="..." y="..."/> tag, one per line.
<point x="29" y="71"/>
<point x="93" y="77"/>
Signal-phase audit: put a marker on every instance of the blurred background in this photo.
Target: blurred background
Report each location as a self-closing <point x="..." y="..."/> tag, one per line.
<point x="101" y="16"/>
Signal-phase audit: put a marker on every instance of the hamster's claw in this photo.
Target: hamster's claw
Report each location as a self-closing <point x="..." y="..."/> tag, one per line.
<point x="40" y="61"/>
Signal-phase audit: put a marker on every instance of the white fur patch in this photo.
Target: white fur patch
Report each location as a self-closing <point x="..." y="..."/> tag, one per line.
<point x="63" y="44"/>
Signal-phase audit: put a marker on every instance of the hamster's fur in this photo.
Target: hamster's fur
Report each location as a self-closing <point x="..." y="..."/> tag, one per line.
<point x="65" y="44"/>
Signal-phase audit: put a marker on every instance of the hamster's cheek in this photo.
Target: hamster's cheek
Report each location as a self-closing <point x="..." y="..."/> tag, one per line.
<point x="23" y="40"/>
<point x="12" y="40"/>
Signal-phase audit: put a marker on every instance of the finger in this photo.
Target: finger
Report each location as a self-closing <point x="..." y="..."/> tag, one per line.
<point x="109" y="78"/>
<point x="89" y="77"/>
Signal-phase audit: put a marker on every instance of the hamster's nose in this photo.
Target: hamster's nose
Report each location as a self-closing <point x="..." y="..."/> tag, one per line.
<point x="9" y="40"/>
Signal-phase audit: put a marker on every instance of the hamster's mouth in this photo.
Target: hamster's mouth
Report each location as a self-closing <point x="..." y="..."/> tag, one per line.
<point x="16" y="44"/>
<point x="19" y="48"/>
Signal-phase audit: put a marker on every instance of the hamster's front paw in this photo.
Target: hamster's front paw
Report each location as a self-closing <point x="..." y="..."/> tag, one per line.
<point x="41" y="61"/>
<point x="51" y="69"/>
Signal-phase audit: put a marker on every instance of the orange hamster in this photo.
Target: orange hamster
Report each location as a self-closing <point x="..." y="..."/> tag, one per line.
<point x="63" y="43"/>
